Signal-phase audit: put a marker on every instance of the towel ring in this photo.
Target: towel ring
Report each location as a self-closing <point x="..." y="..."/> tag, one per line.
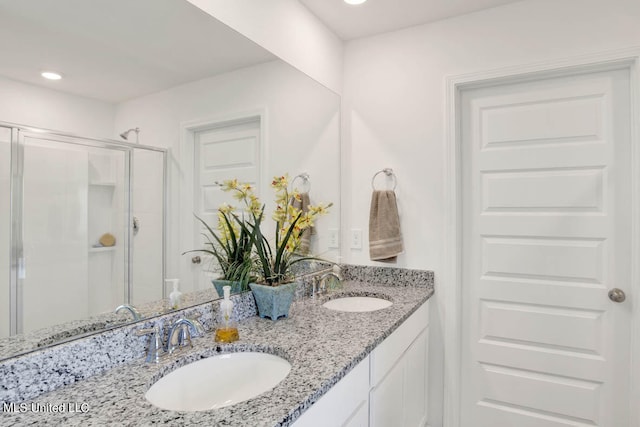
<point x="389" y="173"/>
<point x="306" y="182"/>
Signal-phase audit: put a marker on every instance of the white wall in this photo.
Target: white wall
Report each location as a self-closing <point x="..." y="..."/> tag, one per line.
<point x="302" y="129"/>
<point x="287" y="29"/>
<point x="394" y="111"/>
<point x="37" y="106"/>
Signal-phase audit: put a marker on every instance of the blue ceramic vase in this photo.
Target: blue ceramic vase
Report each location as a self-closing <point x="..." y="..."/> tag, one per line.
<point x="273" y="301"/>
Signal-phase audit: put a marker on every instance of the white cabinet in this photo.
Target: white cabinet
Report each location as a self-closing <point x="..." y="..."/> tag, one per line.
<point x="386" y="399"/>
<point x="388" y="388"/>
<point x="398" y="395"/>
<point x="346" y="404"/>
<point x="360" y="418"/>
<point x="400" y="398"/>
<point x="415" y="382"/>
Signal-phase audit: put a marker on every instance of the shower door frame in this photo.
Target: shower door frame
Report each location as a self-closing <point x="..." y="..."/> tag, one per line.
<point x="16" y="267"/>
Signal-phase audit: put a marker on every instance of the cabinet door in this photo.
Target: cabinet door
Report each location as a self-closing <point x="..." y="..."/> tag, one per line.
<point x="400" y="399"/>
<point x="361" y="417"/>
<point x="398" y="395"/>
<point x="385" y="399"/>
<point x="415" y="382"/>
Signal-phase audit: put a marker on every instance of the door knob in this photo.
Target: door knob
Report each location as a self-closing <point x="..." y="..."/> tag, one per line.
<point x="617" y="295"/>
<point x="196" y="259"/>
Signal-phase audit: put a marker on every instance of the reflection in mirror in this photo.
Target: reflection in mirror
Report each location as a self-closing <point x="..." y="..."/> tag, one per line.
<point x="72" y="201"/>
<point x="147" y="234"/>
<point x="252" y="124"/>
<point x="222" y="106"/>
<point x="5" y="230"/>
<point x="73" y="232"/>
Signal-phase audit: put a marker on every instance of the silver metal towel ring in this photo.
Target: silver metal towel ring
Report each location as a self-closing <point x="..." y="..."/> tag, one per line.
<point x="306" y="182"/>
<point x="389" y="173"/>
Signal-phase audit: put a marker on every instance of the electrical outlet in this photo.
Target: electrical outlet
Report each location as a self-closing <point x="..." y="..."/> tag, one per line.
<point x="334" y="238"/>
<point x="356" y="239"/>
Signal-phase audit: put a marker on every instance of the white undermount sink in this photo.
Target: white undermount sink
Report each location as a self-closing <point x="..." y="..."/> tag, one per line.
<point x="357" y="304"/>
<point x="218" y="381"/>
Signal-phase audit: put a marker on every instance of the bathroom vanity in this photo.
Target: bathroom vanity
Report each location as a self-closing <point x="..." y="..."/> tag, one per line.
<point x="347" y="368"/>
<point x="388" y="387"/>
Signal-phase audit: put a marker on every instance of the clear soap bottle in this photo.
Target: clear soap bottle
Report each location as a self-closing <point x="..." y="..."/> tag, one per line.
<point x="175" y="297"/>
<point x="227" y="329"/>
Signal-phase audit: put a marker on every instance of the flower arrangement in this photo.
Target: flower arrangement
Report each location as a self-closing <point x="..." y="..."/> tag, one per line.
<point x="231" y="246"/>
<point x="273" y="262"/>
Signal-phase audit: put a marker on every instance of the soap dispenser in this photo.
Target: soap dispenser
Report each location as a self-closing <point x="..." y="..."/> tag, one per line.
<point x="227" y="330"/>
<point x="175" y="296"/>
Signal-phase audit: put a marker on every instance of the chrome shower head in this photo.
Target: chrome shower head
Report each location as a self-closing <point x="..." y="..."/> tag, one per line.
<point x="125" y="135"/>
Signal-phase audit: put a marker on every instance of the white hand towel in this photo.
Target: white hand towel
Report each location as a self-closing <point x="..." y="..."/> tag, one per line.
<point x="385" y="237"/>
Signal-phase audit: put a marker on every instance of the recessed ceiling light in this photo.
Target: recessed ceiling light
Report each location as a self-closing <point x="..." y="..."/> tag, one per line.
<point x="51" y="75"/>
<point x="354" y="1"/>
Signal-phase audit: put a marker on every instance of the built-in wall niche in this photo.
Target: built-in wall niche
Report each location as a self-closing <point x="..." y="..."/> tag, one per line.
<point x="107" y="216"/>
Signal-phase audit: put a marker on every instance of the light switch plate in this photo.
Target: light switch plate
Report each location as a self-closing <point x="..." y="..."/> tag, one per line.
<point x="356" y="238"/>
<point x="334" y="238"/>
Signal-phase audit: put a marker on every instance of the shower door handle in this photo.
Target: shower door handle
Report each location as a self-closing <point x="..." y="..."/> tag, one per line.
<point x="617" y="295"/>
<point x="196" y="259"/>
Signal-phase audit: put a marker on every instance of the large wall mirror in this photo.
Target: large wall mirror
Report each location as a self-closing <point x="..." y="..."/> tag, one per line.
<point x="201" y="103"/>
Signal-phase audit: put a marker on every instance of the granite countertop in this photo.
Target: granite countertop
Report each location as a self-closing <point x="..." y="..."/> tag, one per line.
<point x="23" y="343"/>
<point x="73" y="329"/>
<point x="322" y="346"/>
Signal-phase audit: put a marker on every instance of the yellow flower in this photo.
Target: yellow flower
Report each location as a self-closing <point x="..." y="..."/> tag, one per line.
<point x="255" y="207"/>
<point x="320" y="209"/>
<point x="223" y="228"/>
<point x="226" y="208"/>
<point x="239" y="195"/>
<point x="229" y="184"/>
<point x="285" y="214"/>
<point x="279" y="215"/>
<point x="280" y="182"/>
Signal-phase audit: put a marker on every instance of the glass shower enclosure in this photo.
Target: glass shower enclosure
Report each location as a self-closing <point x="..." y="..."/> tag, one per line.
<point x="81" y="227"/>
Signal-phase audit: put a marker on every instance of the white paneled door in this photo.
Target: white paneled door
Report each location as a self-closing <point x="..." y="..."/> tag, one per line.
<point x="546" y="235"/>
<point x="221" y="153"/>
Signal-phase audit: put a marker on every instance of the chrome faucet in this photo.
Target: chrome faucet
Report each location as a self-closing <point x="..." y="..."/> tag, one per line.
<point x="185" y="329"/>
<point x="179" y="336"/>
<point x="321" y="283"/>
<point x="155" y="353"/>
<point x="135" y="313"/>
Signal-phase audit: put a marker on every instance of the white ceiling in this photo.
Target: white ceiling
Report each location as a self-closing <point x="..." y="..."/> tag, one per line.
<point x="380" y="16"/>
<point x="114" y="50"/>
